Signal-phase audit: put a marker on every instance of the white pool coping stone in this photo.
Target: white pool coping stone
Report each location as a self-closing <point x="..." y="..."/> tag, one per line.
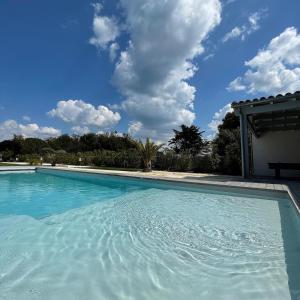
<point x="16" y="168"/>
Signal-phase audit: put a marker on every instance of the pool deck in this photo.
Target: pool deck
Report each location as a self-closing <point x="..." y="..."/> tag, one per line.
<point x="292" y="187"/>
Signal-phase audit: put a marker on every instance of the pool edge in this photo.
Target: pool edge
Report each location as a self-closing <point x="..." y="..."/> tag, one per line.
<point x="200" y="183"/>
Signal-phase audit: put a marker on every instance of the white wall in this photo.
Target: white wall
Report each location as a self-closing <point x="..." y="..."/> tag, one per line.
<point x="277" y="146"/>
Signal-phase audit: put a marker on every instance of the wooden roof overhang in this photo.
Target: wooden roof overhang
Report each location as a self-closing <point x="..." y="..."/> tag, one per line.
<point x="271" y="114"/>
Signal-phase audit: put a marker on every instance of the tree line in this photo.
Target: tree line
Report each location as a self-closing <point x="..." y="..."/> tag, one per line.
<point x="187" y="150"/>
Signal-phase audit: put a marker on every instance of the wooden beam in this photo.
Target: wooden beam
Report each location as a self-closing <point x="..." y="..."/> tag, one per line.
<point x="285" y="128"/>
<point x="283" y="122"/>
<point x="288" y="113"/>
<point x="252" y="128"/>
<point x="244" y="145"/>
<point x="248" y="110"/>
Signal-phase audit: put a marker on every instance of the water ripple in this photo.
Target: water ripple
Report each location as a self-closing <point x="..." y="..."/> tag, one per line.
<point x="153" y="244"/>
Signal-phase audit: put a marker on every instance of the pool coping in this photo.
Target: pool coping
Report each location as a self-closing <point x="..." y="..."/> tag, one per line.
<point x="16" y="168"/>
<point x="282" y="187"/>
<point x="264" y="186"/>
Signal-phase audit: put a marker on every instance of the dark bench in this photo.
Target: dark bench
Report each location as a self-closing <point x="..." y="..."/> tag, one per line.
<point x="283" y="166"/>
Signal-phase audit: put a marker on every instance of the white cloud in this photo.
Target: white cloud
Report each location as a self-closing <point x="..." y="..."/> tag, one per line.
<point x="243" y="31"/>
<point x="26" y="118"/>
<point x="10" y="127"/>
<point x="227" y="2"/>
<point x="152" y="72"/>
<point x="234" y="33"/>
<point x="218" y="118"/>
<point x="275" y="69"/>
<point x="105" y="29"/>
<point x="236" y="85"/>
<point x="134" y="128"/>
<point x="97" y="7"/>
<point x="113" y="49"/>
<point x="80" y="130"/>
<point x="209" y="56"/>
<point x="80" y="113"/>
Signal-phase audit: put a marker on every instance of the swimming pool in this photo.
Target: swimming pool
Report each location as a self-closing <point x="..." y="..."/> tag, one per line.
<point x="66" y="235"/>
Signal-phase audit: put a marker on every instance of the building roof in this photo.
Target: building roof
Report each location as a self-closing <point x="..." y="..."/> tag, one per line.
<point x="272" y="113"/>
<point x="271" y="99"/>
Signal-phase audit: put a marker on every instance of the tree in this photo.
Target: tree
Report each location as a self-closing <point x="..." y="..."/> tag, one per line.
<point x="32" y="146"/>
<point x="231" y="121"/>
<point x="148" y="153"/>
<point x="226" y="147"/>
<point x="188" y="140"/>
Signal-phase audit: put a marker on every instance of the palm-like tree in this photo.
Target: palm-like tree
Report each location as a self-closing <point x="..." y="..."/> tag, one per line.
<point x="148" y="152"/>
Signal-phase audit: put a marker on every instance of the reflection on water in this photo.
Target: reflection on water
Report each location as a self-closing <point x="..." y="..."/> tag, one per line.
<point x="119" y="240"/>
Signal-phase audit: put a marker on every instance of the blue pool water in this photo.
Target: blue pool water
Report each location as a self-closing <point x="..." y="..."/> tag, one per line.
<point x="77" y="236"/>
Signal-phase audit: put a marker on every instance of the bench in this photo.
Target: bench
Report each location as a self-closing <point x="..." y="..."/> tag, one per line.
<point x="283" y="166"/>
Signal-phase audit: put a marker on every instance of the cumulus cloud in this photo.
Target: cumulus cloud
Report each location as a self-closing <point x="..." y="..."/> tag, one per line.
<point x="218" y="117"/>
<point x="10" y="127"/>
<point x="275" y="69"/>
<point x="152" y="73"/>
<point x="80" y="130"/>
<point x="236" y="85"/>
<point x="80" y="113"/>
<point x="243" y="31"/>
<point x="105" y="29"/>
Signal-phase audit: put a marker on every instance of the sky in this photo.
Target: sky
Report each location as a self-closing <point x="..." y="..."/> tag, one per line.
<point x="142" y="67"/>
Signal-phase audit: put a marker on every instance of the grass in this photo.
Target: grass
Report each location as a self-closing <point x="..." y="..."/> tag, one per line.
<point x="116" y="169"/>
<point x="7" y="164"/>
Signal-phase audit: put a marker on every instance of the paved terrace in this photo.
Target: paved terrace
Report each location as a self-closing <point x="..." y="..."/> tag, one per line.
<point x="292" y="187"/>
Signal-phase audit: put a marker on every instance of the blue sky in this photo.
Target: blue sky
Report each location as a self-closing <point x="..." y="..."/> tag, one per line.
<point x="140" y="66"/>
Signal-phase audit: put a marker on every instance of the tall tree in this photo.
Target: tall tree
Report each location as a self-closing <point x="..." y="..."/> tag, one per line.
<point x="226" y="147"/>
<point x="188" y="140"/>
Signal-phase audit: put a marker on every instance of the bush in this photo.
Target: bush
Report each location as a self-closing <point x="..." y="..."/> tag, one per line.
<point x="183" y="162"/>
<point x="164" y="160"/>
<point x="227" y="152"/>
<point x="169" y="160"/>
<point x="123" y="159"/>
<point x="34" y="162"/>
<point x="66" y="159"/>
<point x="32" y="159"/>
<point x="7" y="155"/>
<point x="203" y="164"/>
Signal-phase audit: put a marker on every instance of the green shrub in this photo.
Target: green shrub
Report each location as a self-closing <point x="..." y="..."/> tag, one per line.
<point x="169" y="160"/>
<point x="203" y="164"/>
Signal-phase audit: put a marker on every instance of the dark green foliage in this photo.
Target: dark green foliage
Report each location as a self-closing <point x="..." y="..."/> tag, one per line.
<point x="171" y="161"/>
<point x="231" y="121"/>
<point x="226" y="146"/>
<point x="65" y="142"/>
<point x="189" y="150"/>
<point x="69" y="144"/>
<point x="7" y="155"/>
<point x="203" y="164"/>
<point x="188" y="140"/>
<point x="32" y="145"/>
<point x="124" y="159"/>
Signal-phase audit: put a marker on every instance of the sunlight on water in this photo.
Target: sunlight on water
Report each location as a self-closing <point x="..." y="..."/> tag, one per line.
<point x="65" y="238"/>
